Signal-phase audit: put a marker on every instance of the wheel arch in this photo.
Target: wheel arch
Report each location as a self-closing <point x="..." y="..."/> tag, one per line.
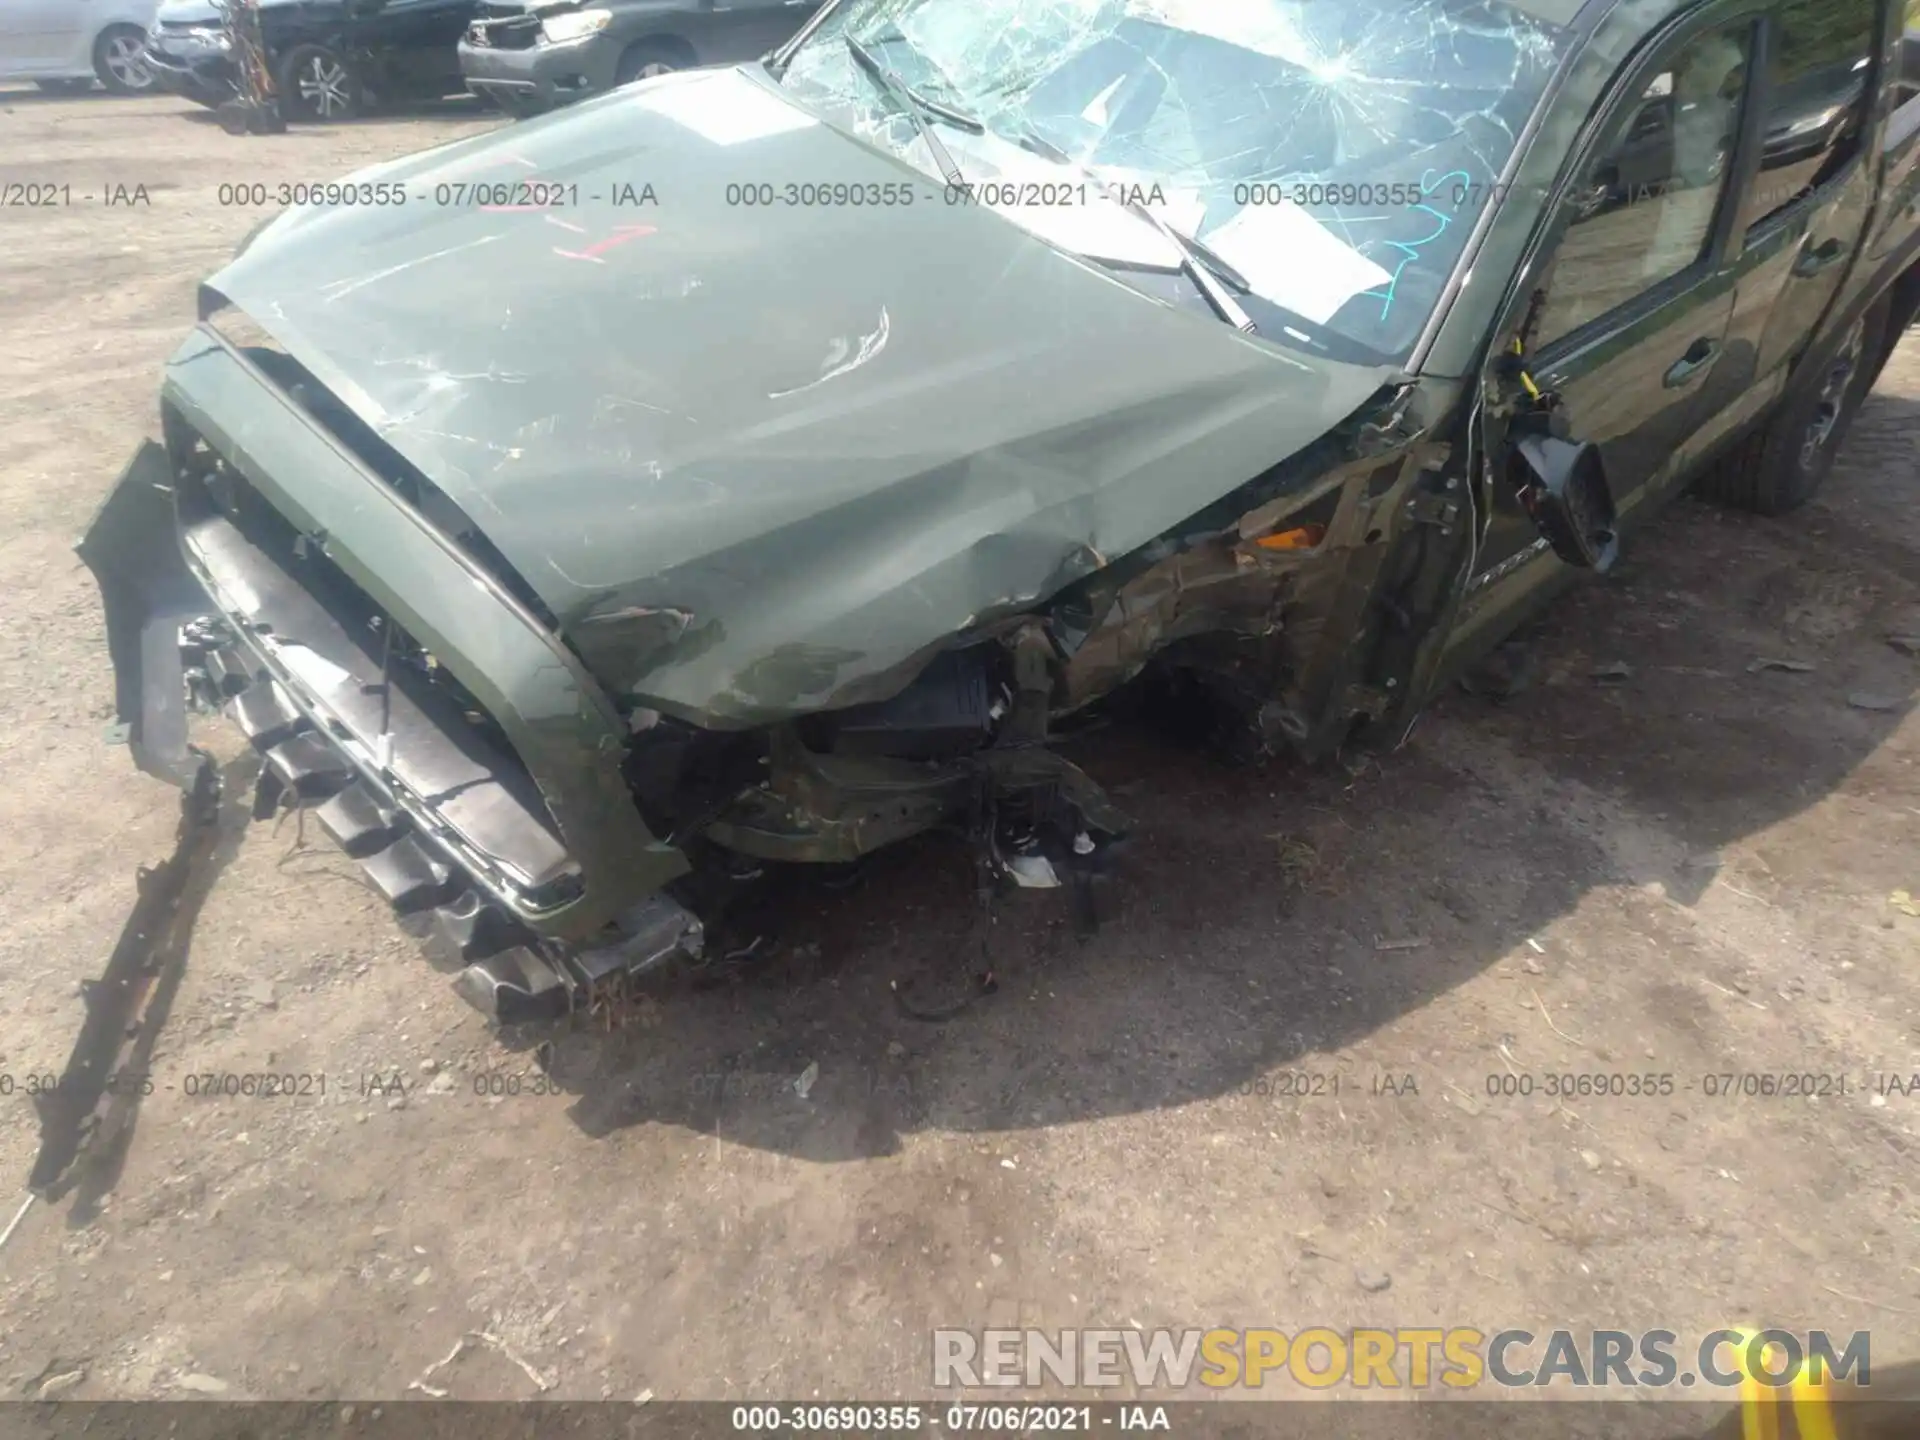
<point x="659" y="40"/>
<point x="1903" y="304"/>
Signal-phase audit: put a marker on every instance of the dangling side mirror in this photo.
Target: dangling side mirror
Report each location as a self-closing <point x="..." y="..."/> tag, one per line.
<point x="1564" y="489"/>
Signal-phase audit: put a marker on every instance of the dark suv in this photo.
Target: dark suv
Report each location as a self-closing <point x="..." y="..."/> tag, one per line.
<point x="331" y="59"/>
<point x="530" y="55"/>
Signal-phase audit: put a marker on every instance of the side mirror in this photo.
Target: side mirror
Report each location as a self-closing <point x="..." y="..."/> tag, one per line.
<point x="1564" y="489"/>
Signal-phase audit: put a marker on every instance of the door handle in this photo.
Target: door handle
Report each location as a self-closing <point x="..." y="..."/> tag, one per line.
<point x="1816" y="258"/>
<point x="1699" y="356"/>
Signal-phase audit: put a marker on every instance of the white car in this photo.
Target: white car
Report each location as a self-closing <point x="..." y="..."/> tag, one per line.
<point x="65" y="45"/>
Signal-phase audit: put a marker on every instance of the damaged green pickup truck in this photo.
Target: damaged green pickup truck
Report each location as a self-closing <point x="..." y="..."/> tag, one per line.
<point x="775" y="455"/>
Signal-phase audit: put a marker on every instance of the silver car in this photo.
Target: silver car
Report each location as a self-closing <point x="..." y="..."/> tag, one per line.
<point x="64" y="47"/>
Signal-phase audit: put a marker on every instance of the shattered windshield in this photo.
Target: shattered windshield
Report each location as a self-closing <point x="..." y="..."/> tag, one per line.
<point x="1335" y="153"/>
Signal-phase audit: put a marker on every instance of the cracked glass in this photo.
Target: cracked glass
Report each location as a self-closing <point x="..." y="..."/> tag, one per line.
<point x="1336" y="153"/>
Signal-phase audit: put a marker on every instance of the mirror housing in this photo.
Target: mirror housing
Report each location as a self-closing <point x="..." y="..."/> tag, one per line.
<point x="1563" y="487"/>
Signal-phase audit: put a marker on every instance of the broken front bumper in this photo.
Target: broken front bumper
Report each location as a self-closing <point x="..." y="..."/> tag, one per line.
<point x="546" y="75"/>
<point x="205" y="78"/>
<point x="528" y="868"/>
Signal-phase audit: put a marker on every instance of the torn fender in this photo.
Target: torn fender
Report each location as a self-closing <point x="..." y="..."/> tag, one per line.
<point x="148" y="594"/>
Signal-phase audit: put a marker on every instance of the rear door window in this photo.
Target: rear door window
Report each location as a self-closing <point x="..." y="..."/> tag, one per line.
<point x="1820" y="52"/>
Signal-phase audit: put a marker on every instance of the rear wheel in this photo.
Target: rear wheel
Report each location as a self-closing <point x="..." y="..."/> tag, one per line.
<point x="1781" y="465"/>
<point x="649" y="58"/>
<point x="120" y="60"/>
<point x="316" y="83"/>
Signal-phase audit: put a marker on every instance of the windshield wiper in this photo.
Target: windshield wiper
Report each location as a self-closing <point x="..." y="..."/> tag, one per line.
<point x="1208" y="271"/>
<point x="781" y="56"/>
<point x="918" y="108"/>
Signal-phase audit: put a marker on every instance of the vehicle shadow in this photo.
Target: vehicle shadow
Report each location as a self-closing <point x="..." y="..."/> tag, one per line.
<point x="452" y="108"/>
<point x="26" y="92"/>
<point x="447" y="107"/>
<point x="158" y="934"/>
<point x="1266" y="919"/>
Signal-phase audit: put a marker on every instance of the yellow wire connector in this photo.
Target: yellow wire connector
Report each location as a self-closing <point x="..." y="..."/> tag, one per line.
<point x="1533" y="390"/>
<point x="1762" y="1403"/>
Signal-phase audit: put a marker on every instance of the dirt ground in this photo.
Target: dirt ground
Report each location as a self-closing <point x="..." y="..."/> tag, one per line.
<point x="1685" y="869"/>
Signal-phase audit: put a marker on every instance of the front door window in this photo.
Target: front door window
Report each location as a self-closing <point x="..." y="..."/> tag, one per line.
<point x="1643" y="213"/>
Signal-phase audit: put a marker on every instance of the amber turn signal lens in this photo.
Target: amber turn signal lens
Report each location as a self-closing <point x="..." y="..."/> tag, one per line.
<point x="1305" y="537"/>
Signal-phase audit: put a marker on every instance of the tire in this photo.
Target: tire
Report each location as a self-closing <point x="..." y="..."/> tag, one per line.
<point x="647" y="58"/>
<point x="317" y="85"/>
<point x="65" y="87"/>
<point x="118" y="60"/>
<point x="1780" y="466"/>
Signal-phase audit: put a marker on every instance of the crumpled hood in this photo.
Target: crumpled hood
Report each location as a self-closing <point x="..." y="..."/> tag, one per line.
<point x="759" y="459"/>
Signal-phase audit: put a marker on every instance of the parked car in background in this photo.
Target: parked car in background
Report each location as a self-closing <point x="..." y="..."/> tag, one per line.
<point x="65" y="45"/>
<point x="530" y="55"/>
<point x="188" y="52"/>
<point x="331" y="59"/>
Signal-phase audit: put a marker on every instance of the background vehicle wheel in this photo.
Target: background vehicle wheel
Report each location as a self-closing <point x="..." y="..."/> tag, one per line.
<point x="1778" y="468"/>
<point x="120" y="60"/>
<point x="316" y="83"/>
<point x="647" y="58"/>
